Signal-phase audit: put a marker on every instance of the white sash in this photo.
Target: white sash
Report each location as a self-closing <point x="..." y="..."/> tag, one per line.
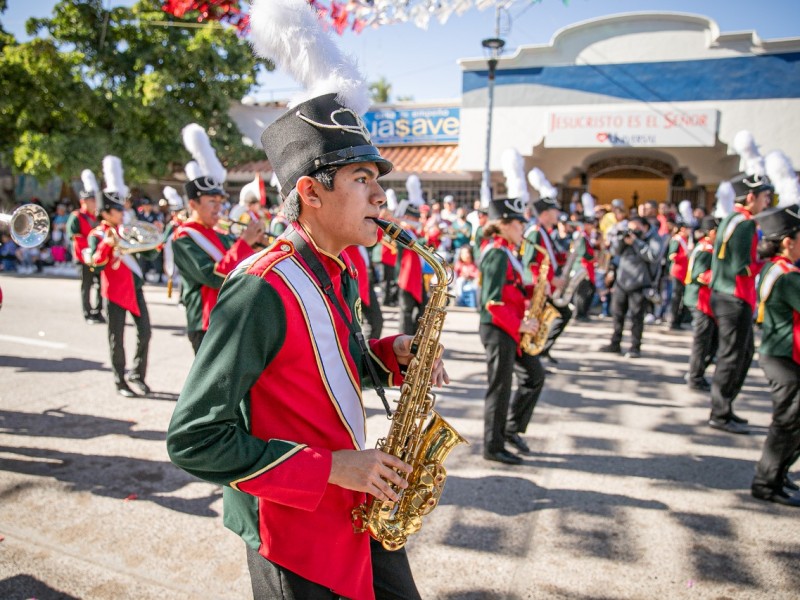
<point x="333" y="368"/>
<point x="768" y="282"/>
<point x="205" y="244"/>
<point x="683" y="244"/>
<point x="132" y="264"/>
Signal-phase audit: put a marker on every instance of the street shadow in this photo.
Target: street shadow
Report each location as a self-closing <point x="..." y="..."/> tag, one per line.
<point x="60" y="423"/>
<point x="119" y="477"/>
<point x="30" y="364"/>
<point x="181" y="329"/>
<point x="463" y="355"/>
<point x="165" y="396"/>
<point x="26" y="587"/>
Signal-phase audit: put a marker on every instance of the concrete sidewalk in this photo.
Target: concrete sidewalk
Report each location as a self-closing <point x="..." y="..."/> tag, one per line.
<point x="627" y="493"/>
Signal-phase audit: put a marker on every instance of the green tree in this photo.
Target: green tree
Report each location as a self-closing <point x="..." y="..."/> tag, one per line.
<point x="380" y="91"/>
<point x="119" y="81"/>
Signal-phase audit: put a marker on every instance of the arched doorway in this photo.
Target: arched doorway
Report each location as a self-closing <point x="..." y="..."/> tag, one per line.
<point x="632" y="179"/>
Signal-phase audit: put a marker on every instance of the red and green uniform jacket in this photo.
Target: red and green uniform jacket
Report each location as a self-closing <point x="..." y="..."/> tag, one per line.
<point x="120" y="274"/>
<point x="734" y="265"/>
<point x="409" y="276"/>
<point x="503" y="293"/>
<point x="532" y="258"/>
<point x="779" y="309"/>
<point x="359" y="258"/>
<point x="204" y="258"/>
<point x="79" y="225"/>
<point x="678" y="255"/>
<point x="698" y="277"/>
<point x="274" y="390"/>
<point x="583" y="247"/>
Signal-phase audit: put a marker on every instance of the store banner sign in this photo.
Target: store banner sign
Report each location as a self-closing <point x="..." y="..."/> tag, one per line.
<point x="632" y="128"/>
<point x="414" y="126"/>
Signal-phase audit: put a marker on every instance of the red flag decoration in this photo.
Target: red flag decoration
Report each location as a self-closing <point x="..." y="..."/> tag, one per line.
<point x="224" y="11"/>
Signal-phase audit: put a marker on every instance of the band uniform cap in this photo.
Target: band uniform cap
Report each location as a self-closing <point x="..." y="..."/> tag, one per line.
<point x="744" y="184"/>
<point x="203" y="186"/>
<point x="111" y="200"/>
<point x="412" y="212"/>
<point x="543" y="204"/>
<point x="778" y="223"/>
<point x="87" y="195"/>
<point x="507" y="208"/>
<point x="617" y="203"/>
<point x="315" y="134"/>
<point x="709" y="223"/>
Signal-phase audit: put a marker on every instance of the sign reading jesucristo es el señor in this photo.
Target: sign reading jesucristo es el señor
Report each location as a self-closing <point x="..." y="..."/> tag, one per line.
<point x="414" y="126"/>
<point x="634" y="128"/>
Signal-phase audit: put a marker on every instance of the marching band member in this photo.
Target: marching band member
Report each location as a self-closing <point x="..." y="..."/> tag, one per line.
<point x="779" y="352"/>
<point x="697" y="297"/>
<point x="734" y="268"/>
<point x="177" y="211"/>
<point x="502" y="324"/>
<point x="80" y="224"/>
<point x="678" y="256"/>
<point x="412" y="295"/>
<point x="121" y="281"/>
<point x="584" y="248"/>
<point x="371" y="316"/>
<point x="204" y="256"/>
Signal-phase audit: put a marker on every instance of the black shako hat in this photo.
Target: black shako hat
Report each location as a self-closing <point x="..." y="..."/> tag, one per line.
<point x="203" y="186"/>
<point x="743" y="184"/>
<point x="543" y="204"/>
<point x="87" y="195"/>
<point x="778" y="223"/>
<point x="507" y="208"/>
<point x="111" y="200"/>
<point x="318" y="133"/>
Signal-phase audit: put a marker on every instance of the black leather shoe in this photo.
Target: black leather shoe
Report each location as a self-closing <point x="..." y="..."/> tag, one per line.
<point x="611" y="348"/>
<point x="503" y="456"/>
<point x="515" y="440"/>
<point x="124" y="390"/>
<point x="780" y="497"/>
<point x="737" y="419"/>
<point x="728" y="426"/>
<point x="700" y="386"/>
<point x="140" y="385"/>
<point x="633" y="353"/>
<point x="790" y="485"/>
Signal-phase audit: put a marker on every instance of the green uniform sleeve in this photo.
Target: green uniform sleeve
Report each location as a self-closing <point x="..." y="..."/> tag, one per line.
<point x="529" y="255"/>
<point x="672" y="251"/>
<point x="94" y="242"/>
<point x="209" y="435"/>
<point x="701" y="264"/>
<point x="73" y="227"/>
<point x="788" y="289"/>
<point x="195" y="264"/>
<point x="493" y="276"/>
<point x="740" y="247"/>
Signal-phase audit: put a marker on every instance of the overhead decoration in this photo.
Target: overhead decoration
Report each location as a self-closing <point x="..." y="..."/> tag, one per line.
<point x="224" y="11"/>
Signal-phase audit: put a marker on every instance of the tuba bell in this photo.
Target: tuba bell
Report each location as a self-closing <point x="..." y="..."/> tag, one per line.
<point x="28" y="225"/>
<point x="138" y="236"/>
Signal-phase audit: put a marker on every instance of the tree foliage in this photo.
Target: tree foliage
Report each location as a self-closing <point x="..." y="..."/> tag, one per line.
<point x="118" y="81"/>
<point x="380" y="91"/>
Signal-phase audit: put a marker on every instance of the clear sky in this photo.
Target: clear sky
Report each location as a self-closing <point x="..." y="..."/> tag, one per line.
<point x="422" y="64"/>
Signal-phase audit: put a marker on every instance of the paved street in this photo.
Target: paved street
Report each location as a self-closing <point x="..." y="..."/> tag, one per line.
<point x="627" y="493"/>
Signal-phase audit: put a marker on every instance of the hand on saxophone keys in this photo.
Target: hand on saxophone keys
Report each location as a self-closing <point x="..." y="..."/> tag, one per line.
<point x="529" y="325"/>
<point x="369" y="471"/>
<point x="402" y="350"/>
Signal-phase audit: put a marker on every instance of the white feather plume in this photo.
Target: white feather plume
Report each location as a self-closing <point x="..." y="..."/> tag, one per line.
<point x="587" y="200"/>
<point x="112" y="173"/>
<point x="751" y="161"/>
<point x="514" y="172"/>
<point x="685" y="210"/>
<point x="89" y="181"/>
<point x="726" y="197"/>
<point x="274" y="182"/>
<point x="391" y="200"/>
<point x="289" y="33"/>
<point x="196" y="141"/>
<point x="540" y="183"/>
<point x="783" y="176"/>
<point x="250" y="192"/>
<point x="414" y="189"/>
<point x="174" y="199"/>
<point x="192" y="170"/>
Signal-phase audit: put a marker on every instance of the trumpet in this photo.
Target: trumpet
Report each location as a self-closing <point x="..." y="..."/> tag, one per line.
<point x="236" y="229"/>
<point x="28" y="225"/>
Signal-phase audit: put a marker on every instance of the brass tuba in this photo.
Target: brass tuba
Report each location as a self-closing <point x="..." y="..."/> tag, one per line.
<point x="138" y="236"/>
<point x="539" y="309"/>
<point x="28" y="225"/>
<point x="424" y="447"/>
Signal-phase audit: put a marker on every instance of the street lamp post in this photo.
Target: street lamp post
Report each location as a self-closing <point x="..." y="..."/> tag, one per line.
<point x="493" y="47"/>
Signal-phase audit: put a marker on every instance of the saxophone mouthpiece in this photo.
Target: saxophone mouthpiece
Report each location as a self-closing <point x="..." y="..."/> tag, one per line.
<point x="394" y="231"/>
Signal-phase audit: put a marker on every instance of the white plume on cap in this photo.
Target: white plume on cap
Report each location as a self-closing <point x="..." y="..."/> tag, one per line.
<point x="274" y="182"/>
<point x="89" y="181"/>
<point x="514" y="172"/>
<point x="289" y="33"/>
<point x="685" y="210"/>
<point x="391" y="200"/>
<point x="250" y="192"/>
<point x="725" y="200"/>
<point x="414" y="188"/>
<point x="540" y="183"/>
<point x="783" y="176"/>
<point x="192" y="170"/>
<point x="751" y="161"/>
<point x="199" y="146"/>
<point x="174" y="199"/>
<point x="112" y="173"/>
<point x="587" y="200"/>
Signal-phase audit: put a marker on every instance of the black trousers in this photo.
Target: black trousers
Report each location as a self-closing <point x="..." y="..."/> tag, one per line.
<point x="503" y="414"/>
<point x="195" y="339"/>
<point x="391" y="578"/>
<point x="558" y="325"/>
<point x="676" y="308"/>
<point x="372" y="323"/>
<point x="782" y="446"/>
<point x="389" y="286"/>
<point x="89" y="280"/>
<point x="584" y="295"/>
<point x="116" y="338"/>
<point x="621" y="302"/>
<point x="410" y="312"/>
<point x="705" y="339"/>
<point x="736" y="346"/>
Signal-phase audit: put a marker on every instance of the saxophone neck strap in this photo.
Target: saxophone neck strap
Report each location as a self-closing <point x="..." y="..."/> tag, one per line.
<point x="310" y="258"/>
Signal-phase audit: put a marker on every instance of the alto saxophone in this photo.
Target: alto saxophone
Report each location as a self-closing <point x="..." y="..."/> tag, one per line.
<point x="539" y="309"/>
<point x="574" y="273"/>
<point x="424" y="447"/>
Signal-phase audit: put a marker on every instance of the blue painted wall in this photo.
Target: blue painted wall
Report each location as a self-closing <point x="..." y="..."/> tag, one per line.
<point x="745" y="78"/>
